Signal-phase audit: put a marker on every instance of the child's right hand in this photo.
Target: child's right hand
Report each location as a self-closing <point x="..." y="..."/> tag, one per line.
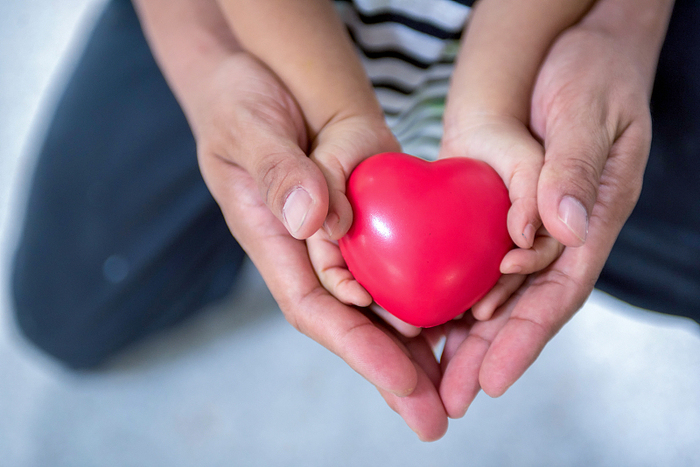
<point x="507" y="145"/>
<point x="337" y="149"/>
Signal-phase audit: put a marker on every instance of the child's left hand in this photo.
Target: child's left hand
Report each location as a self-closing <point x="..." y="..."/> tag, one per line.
<point x="507" y="146"/>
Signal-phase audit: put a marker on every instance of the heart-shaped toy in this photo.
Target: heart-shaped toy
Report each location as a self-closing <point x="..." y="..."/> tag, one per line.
<point x="427" y="238"/>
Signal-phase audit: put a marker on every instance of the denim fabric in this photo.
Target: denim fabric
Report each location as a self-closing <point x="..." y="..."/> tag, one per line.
<point x="655" y="263"/>
<point x="121" y="236"/>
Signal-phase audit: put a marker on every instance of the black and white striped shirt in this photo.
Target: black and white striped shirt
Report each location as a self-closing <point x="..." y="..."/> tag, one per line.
<point x="408" y="48"/>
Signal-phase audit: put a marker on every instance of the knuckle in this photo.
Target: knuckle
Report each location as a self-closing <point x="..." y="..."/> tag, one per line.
<point x="274" y="173"/>
<point x="622" y="194"/>
<point x="523" y="179"/>
<point x="582" y="178"/>
<point x="333" y="166"/>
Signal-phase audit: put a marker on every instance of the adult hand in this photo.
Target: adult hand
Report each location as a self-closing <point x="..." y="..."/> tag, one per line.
<point x="251" y="148"/>
<point x="252" y="144"/>
<point x="590" y="109"/>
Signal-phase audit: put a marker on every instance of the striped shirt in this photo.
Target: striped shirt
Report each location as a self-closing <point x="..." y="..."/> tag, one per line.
<point x="408" y="48"/>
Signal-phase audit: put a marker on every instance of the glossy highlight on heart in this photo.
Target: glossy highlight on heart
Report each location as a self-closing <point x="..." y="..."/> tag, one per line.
<point x="427" y="238"/>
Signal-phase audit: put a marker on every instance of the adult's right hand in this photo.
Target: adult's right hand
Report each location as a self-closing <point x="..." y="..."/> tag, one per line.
<point x="251" y="148"/>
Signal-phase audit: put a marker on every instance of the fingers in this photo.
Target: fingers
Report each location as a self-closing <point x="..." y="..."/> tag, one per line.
<point x="467" y="343"/>
<point x="509" y="147"/>
<point x="545" y="249"/>
<point x="523" y="215"/>
<point x="520" y="167"/>
<point x="500" y="293"/>
<point x="290" y="185"/>
<point x="308" y="193"/>
<point x="338" y="149"/>
<point x="405" y="329"/>
<point x="341" y="329"/>
<point x="586" y="158"/>
<point x="534" y="316"/>
<point x="589" y="92"/>
<point x="284" y="265"/>
<point x="252" y="122"/>
<point x="333" y="273"/>
<point x="261" y="129"/>
<point x="422" y="411"/>
<point x="335" y="277"/>
<point x="354" y="338"/>
<point x="491" y="355"/>
<point x="516" y="266"/>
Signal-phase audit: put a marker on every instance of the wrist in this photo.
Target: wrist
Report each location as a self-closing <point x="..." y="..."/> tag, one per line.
<point x="189" y="40"/>
<point x="318" y="64"/>
<point x="636" y="26"/>
<point x="459" y="122"/>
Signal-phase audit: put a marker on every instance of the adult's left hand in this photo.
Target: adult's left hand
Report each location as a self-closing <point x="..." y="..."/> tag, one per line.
<point x="591" y="111"/>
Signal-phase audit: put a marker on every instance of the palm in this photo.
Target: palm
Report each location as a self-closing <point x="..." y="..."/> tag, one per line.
<point x="393" y="364"/>
<point x="370" y="348"/>
<point x="491" y="355"/>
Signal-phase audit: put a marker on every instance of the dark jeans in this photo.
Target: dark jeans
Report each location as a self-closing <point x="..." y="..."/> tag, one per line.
<point x="655" y="263"/>
<point x="122" y="238"/>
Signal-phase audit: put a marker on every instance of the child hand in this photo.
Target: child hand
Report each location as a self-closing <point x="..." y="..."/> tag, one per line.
<point x="337" y="150"/>
<point x="508" y="146"/>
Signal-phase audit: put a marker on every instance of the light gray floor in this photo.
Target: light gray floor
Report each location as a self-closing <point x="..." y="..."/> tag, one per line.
<point x="238" y="386"/>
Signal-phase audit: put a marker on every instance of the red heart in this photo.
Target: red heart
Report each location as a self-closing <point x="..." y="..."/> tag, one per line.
<point x="427" y="238"/>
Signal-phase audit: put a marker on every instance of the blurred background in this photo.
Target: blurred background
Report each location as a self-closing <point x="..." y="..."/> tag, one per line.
<point x="237" y="385"/>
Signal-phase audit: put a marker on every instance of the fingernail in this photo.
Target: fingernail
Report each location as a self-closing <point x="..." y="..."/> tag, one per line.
<point x="330" y="224"/>
<point x="529" y="234"/>
<point x="512" y="269"/>
<point x="296" y="208"/>
<point x="574" y="216"/>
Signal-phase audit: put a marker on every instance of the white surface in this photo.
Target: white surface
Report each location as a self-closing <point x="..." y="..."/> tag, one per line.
<point x="238" y="386"/>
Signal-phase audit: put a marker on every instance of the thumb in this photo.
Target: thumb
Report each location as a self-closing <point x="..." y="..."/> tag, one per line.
<point x="294" y="189"/>
<point x="291" y="185"/>
<point x="576" y="151"/>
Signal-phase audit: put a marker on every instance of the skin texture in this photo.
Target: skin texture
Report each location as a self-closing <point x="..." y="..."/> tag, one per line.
<point x="488" y="109"/>
<point x="591" y="109"/>
<point x="591" y="117"/>
<point x="232" y="102"/>
<point x="486" y="116"/>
